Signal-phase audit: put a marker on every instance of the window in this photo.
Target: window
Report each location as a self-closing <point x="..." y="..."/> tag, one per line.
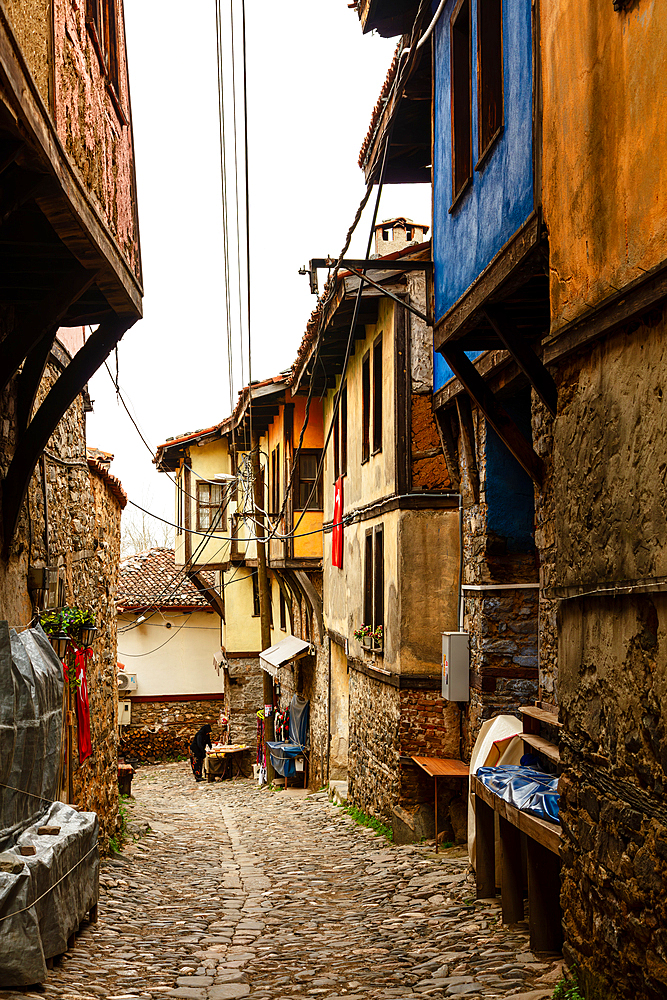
<point x="256" y="609"/>
<point x="309" y="485"/>
<point x="374" y="577"/>
<point x="283" y="612"/>
<point x="275" y="480"/>
<point x="489" y="71"/>
<point x="387" y="235"/>
<point x="377" y="395"/>
<point x="461" y="98"/>
<point x="343" y="431"/>
<point x="366" y="407"/>
<point x="102" y="20"/>
<point x="211" y="511"/>
<point x="409" y="233"/>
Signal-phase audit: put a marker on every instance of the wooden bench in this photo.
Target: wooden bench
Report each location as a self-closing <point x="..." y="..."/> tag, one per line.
<point x="542" y="854"/>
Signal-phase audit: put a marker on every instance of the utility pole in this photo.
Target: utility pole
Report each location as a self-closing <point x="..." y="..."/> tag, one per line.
<point x="264" y="596"/>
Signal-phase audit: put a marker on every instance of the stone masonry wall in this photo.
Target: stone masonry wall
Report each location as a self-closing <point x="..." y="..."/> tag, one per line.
<point x="244" y="696"/>
<point x="545" y="541"/>
<point x="613" y="668"/>
<point x="374" y="752"/>
<point x="80" y="548"/>
<point x="309" y="677"/>
<point x="502" y="623"/>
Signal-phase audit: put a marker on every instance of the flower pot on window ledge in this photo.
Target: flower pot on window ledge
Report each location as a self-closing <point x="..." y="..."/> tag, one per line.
<point x="371" y="645"/>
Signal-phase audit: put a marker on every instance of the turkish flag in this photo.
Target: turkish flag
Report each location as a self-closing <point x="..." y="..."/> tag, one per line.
<point x="337" y="539"/>
<point x="82" y="706"/>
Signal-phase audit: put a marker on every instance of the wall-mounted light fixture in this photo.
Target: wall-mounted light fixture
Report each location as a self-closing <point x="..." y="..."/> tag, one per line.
<point x="59" y="643"/>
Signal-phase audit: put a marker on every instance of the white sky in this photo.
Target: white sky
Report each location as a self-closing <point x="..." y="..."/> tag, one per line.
<point x="313" y="80"/>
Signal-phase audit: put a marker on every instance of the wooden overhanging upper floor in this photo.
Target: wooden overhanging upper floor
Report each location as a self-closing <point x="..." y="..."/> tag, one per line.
<point x="388" y="17"/>
<point x="321" y="355"/>
<point x="64" y="261"/>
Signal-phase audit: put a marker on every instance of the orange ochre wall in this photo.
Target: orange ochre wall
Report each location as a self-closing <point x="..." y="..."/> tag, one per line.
<point x="605" y="133"/>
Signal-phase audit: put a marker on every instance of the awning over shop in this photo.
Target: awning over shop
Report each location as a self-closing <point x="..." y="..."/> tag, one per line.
<point x="275" y="657"/>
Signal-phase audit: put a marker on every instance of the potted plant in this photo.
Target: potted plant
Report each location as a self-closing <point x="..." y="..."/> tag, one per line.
<point x="371" y="639"/>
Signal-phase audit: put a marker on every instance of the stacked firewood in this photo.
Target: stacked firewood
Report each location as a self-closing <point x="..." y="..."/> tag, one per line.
<point x="145" y="746"/>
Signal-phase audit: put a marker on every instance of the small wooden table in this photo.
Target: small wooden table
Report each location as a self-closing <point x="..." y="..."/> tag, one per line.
<point x="441" y="767"/>
<point x="222" y="761"/>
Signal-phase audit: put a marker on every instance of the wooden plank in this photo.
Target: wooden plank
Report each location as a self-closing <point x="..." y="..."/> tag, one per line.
<point x="442" y="766"/>
<point x="529" y="363"/>
<point x="546" y="747"/>
<point x="497" y="416"/>
<point x="485" y="849"/>
<point x="544" y="910"/>
<point x="547" y="834"/>
<point x="533" y="712"/>
<point x="512" y="872"/>
<point x="467" y="429"/>
<point x="506" y="261"/>
<point x="449" y="448"/>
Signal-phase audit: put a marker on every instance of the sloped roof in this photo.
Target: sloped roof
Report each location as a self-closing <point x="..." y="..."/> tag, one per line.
<point x="99" y="462"/>
<point x="152" y="579"/>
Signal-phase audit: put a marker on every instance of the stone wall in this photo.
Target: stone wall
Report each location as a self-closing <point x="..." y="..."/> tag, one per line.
<point x="374" y="752"/>
<point x="502" y="623"/>
<point x="183" y="718"/>
<point x="309" y="677"/>
<point x="70" y="525"/>
<point x="244" y="696"/>
<point x="545" y="541"/>
<point x="613" y="670"/>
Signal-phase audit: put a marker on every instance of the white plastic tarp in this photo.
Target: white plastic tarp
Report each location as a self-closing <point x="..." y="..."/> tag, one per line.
<point x="495" y="744"/>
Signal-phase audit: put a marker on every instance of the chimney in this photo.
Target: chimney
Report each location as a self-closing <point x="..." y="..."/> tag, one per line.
<point x="396" y="234"/>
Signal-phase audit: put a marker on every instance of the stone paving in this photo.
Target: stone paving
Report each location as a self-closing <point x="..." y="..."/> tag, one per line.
<point x="239" y="892"/>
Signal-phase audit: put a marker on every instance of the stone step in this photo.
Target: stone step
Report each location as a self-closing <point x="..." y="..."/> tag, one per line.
<point x="338" y="792"/>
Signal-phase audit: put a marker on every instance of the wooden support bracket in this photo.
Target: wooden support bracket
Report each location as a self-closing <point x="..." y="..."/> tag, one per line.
<point x="529" y="363"/>
<point x="497" y="416"/>
<point x="209" y="593"/>
<point x="41" y="323"/>
<point x="59" y="398"/>
<point x="449" y="448"/>
<point x="464" y="410"/>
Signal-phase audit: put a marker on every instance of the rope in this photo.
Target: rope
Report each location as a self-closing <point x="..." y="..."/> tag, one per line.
<point x="23" y="909"/>
<point x="26" y="792"/>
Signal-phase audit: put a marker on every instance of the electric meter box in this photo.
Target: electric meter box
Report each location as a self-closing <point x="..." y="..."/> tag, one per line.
<point x="124" y="713"/>
<point x="455" y="666"/>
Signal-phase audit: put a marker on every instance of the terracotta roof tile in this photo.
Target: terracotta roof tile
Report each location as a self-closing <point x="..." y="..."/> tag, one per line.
<point x="101" y="469"/>
<point x="380" y="106"/>
<point x="151" y="578"/>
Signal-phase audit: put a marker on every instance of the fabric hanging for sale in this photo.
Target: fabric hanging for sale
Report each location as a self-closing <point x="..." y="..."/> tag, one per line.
<point x="82" y="705"/>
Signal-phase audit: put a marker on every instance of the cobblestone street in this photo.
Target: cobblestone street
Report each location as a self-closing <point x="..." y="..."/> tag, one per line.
<point x="237" y="892"/>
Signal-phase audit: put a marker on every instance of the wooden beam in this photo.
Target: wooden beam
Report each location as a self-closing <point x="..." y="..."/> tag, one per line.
<point x="449" y="449"/>
<point x="29" y="380"/>
<point x="40" y="322"/>
<point x="497" y="416"/>
<point x="59" y="398"/>
<point x="467" y="427"/>
<point x="510" y="257"/>
<point x="209" y="593"/>
<point x="21" y="187"/>
<point x="525" y="357"/>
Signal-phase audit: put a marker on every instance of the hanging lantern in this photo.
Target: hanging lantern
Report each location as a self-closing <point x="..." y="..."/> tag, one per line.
<point x="88" y="633"/>
<point x="59" y="643"/>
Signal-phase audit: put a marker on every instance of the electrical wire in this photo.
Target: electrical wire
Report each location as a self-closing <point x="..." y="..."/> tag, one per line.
<point x="223" y="180"/>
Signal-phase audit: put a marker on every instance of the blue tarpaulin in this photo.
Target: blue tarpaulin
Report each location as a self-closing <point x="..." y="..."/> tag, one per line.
<point x="525" y="788"/>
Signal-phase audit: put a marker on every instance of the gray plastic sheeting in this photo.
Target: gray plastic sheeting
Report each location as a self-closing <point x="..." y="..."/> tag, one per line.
<point x="43" y="903"/>
<point x="31" y="716"/>
<point x="44" y="897"/>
